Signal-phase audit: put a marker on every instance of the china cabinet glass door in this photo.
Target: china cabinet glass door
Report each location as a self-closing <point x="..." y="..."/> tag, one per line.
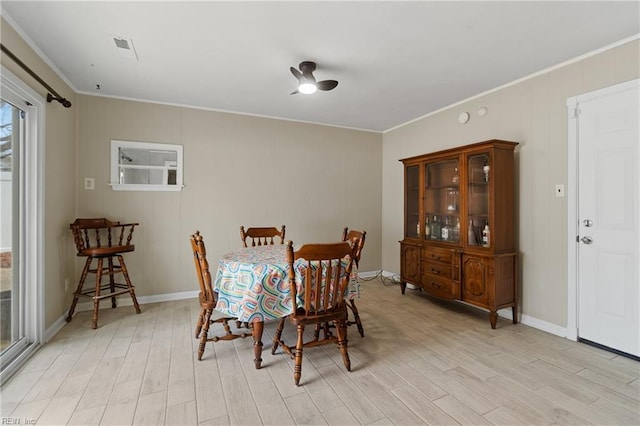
<point x="479" y="173"/>
<point x="412" y="218"/>
<point x="442" y="201"/>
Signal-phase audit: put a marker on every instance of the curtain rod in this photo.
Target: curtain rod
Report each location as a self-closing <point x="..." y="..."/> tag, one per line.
<point x="50" y="97"/>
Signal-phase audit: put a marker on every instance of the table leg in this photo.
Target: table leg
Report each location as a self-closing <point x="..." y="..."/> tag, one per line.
<point x="258" y="327"/>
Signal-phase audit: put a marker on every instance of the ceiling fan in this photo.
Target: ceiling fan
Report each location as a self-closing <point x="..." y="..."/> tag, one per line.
<point x="307" y="84"/>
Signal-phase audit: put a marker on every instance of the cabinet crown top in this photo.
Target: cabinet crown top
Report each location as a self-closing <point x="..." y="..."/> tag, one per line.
<point x="492" y="143"/>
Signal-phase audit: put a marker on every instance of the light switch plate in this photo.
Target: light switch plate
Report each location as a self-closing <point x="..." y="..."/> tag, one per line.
<point x="560" y="191"/>
<point x="89" y="183"/>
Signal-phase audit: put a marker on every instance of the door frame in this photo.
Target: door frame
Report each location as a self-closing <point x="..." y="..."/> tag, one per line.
<point x="572" y="198"/>
<point x="31" y="252"/>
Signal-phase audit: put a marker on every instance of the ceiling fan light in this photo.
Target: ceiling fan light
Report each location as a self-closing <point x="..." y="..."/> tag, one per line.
<point x="307" y="88"/>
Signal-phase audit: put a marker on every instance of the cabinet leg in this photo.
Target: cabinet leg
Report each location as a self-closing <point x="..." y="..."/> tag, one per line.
<point x="403" y="286"/>
<point x="493" y="318"/>
<point x="514" y="312"/>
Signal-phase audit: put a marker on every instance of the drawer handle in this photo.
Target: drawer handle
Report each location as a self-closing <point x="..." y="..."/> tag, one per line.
<point x="434" y="256"/>
<point x="435" y="271"/>
<point x="436" y="285"/>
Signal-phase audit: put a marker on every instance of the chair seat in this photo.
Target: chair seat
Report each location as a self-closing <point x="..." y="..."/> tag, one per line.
<point x="106" y="251"/>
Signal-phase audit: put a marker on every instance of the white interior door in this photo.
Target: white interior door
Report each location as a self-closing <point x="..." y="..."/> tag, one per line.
<point x="608" y="214"/>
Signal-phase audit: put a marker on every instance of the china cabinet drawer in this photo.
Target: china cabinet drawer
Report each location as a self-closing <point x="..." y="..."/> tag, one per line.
<point x="438" y="254"/>
<point x="438" y="269"/>
<point x="440" y="287"/>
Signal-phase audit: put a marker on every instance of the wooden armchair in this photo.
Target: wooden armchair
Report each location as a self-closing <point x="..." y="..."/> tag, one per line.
<point x="325" y="275"/>
<point x="207" y="298"/>
<point x="261" y="236"/>
<point x="356" y="239"/>
<point x="100" y="239"/>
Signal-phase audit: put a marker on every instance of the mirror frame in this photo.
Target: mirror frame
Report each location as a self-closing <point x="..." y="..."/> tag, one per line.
<point x="115" y="184"/>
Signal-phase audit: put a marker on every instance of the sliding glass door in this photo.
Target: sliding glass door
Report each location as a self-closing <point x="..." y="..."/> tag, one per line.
<point x="21" y="257"/>
<point x="12" y="335"/>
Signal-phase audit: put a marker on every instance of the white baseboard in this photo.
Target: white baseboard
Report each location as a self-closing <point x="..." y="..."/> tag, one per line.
<point x="507" y="313"/>
<point x="125" y="300"/>
<point x="55" y="327"/>
<point x="368" y="274"/>
<point x="543" y="325"/>
<point x="388" y="274"/>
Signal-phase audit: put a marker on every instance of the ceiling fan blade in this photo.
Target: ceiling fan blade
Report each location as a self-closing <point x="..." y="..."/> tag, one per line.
<point x="326" y="84"/>
<point x="297" y="74"/>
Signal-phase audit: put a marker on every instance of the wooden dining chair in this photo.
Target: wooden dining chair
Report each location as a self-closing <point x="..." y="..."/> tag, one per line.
<point x="261" y="236"/>
<point x="356" y="239"/>
<point x="325" y="273"/>
<point x="208" y="300"/>
<point x="100" y="239"/>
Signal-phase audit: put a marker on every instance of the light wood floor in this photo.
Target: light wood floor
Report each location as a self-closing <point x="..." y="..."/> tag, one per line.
<point x="421" y="361"/>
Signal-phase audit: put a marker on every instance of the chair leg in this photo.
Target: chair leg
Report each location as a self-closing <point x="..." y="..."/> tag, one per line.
<point x="78" y="291"/>
<point x="278" y="336"/>
<point x="356" y="317"/>
<point x="316" y="332"/>
<point x="204" y="333"/>
<point x="297" y="371"/>
<point x="112" y="282"/>
<point x="125" y="273"/>
<point x="327" y="330"/>
<point x="341" y="326"/>
<point x="96" y="296"/>
<point x="227" y="329"/>
<point x="200" y="322"/>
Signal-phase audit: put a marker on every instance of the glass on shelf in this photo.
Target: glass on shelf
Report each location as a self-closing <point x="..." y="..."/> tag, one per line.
<point x="452" y="200"/>
<point x="427" y="228"/>
<point x="486" y="235"/>
<point x="475" y="230"/>
<point x="455" y="231"/>
<point x="443" y="227"/>
<point x="436" y="228"/>
<point x="445" y="232"/>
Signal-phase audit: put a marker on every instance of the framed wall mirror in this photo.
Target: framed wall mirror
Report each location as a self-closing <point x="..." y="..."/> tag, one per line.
<point x="145" y="166"/>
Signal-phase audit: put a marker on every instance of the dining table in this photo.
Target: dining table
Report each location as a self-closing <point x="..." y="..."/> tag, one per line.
<point x="252" y="286"/>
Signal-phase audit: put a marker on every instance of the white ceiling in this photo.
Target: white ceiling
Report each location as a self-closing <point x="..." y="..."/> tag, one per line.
<point x="395" y="61"/>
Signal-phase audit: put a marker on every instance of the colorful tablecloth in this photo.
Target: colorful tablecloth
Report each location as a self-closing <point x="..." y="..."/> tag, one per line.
<point x="252" y="283"/>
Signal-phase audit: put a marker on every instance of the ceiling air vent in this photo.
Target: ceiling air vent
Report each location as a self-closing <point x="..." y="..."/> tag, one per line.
<point x="125" y="48"/>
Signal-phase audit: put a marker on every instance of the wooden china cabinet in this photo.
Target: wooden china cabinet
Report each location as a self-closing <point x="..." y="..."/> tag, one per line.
<point x="459" y="225"/>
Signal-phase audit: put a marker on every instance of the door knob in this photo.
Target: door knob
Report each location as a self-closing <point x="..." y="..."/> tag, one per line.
<point x="586" y="239"/>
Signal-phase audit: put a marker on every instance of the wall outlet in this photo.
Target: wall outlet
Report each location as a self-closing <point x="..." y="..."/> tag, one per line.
<point x="89" y="183"/>
<point x="66" y="285"/>
<point x="559" y="191"/>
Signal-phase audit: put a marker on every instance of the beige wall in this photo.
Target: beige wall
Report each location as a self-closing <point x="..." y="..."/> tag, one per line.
<point x="533" y="113"/>
<point x="238" y="170"/>
<point x="59" y="170"/>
